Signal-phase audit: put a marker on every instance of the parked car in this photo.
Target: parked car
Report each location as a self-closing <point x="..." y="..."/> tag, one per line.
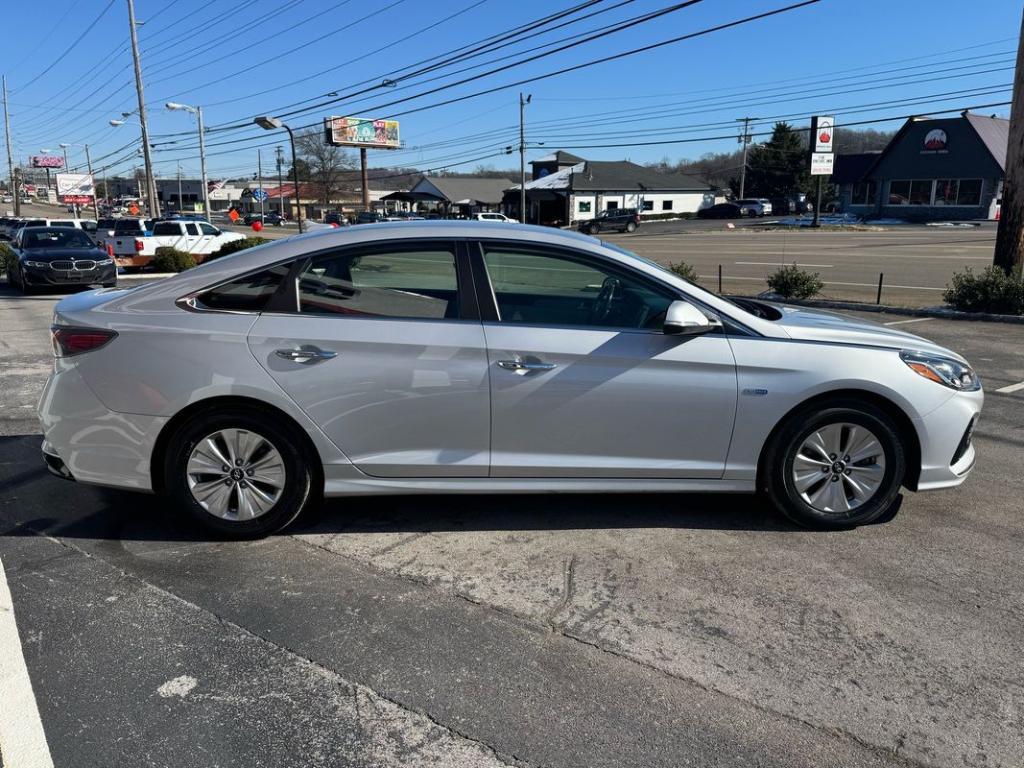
<point x="615" y="219"/>
<point x="720" y="211"/>
<point x="750" y="207"/>
<point x="58" y="256"/>
<point x="8" y="226"/>
<point x="336" y="219"/>
<point x="307" y="376"/>
<point x="369" y="217"/>
<point x="488" y="216"/>
<point x="270" y="217"/>
<point x="794" y="205"/>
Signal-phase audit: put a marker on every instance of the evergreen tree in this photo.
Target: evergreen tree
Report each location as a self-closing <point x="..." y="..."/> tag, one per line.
<point x="780" y="166"/>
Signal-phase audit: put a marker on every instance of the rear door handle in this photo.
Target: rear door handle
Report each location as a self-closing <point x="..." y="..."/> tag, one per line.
<point x="307" y="354"/>
<point x="521" y="367"/>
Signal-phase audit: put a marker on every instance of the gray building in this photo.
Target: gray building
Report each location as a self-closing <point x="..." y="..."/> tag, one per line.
<point x="933" y="169"/>
<point x="166" y="191"/>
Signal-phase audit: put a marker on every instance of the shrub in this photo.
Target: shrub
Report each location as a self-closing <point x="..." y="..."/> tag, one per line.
<point x="791" y="282"/>
<point x="683" y="270"/>
<point x="237" y="245"/>
<point x="6" y="257"/>
<point x="169" y="259"/>
<point x="990" y="291"/>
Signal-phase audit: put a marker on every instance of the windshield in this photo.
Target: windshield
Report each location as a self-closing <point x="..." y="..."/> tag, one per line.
<point x="56" y="238"/>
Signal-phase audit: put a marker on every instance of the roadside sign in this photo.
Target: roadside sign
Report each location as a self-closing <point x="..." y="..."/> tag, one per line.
<point x="233" y="215"/>
<point x="259" y="194"/>
<point x="75" y="185"/>
<point x="823" y="129"/>
<point x="822" y="163"/>
<point x="133" y="209"/>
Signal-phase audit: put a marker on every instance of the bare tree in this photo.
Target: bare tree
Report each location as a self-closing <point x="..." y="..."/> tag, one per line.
<point x="330" y="167"/>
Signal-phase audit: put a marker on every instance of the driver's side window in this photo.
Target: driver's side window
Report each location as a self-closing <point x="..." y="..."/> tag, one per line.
<point x="546" y="288"/>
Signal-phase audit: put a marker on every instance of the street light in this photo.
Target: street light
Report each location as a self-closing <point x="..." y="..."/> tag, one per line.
<point x="198" y="112"/>
<point x="268" y="123"/>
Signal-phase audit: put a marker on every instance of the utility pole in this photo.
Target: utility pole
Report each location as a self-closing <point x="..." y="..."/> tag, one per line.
<point x="67" y="169"/>
<point x="259" y="180"/>
<point x="522" y="156"/>
<point x="95" y="197"/>
<point x="179" y="186"/>
<point x="1009" y="255"/>
<point x="365" y="180"/>
<point x="280" y="179"/>
<point x="745" y="140"/>
<point x="15" y="192"/>
<point x="154" y="205"/>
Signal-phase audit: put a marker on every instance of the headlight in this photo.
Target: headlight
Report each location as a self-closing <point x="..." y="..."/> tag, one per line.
<point x="37" y="264"/>
<point x="104" y="262"/>
<point x="942" y="370"/>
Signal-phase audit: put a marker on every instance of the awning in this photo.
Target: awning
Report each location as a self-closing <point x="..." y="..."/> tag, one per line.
<point x="411" y="197"/>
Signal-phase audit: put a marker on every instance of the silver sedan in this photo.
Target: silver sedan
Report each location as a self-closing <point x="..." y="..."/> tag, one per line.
<point x="473" y="357"/>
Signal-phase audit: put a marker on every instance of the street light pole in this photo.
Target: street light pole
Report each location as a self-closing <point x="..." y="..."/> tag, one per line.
<point x="522" y="157"/>
<point x="198" y="112"/>
<point x="268" y="123"/>
<point x="280" y="181"/>
<point x="154" y="205"/>
<point x="15" y="192"/>
<point x="95" y="196"/>
<point x="64" y="147"/>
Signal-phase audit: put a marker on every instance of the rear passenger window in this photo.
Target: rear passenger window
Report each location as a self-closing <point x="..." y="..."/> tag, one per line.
<point x="191" y="229"/>
<point x="246" y="294"/>
<point x="411" y="281"/>
<point x="166" y="228"/>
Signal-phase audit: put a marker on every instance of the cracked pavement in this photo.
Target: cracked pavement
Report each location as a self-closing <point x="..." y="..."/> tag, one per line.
<point x="530" y="630"/>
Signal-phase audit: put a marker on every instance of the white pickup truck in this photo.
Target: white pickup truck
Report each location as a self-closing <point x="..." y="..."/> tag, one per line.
<point x="135" y="248"/>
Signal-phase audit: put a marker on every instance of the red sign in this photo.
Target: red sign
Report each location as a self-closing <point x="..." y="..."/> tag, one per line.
<point x="79" y="199"/>
<point x="47" y="161"/>
<point x="133" y="209"/>
<point x="233" y="215"/>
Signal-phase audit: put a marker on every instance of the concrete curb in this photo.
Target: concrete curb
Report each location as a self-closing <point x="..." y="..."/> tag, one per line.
<point x="942" y="313"/>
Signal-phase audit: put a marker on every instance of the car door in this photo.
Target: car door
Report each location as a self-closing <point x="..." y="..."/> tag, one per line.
<point x="584" y="383"/>
<point x="385" y="351"/>
<point x="209" y="238"/>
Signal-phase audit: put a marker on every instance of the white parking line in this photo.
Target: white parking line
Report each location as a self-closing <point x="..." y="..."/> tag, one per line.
<point x="22" y="740"/>
<point x="776" y="264"/>
<point x="1011" y="388"/>
<point x="904" y="322"/>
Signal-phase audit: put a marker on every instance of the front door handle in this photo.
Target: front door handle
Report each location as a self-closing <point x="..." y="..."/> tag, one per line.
<point x="522" y="367"/>
<point x="307" y="354"/>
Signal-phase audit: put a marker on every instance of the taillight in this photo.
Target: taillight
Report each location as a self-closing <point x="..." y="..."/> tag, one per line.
<point x="75" y="341"/>
<point x="139" y="246"/>
<point x="110" y="250"/>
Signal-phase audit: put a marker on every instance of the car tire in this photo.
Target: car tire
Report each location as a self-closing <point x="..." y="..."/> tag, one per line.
<point x="851" y="491"/>
<point x="631" y="227"/>
<point x="593" y="229"/>
<point x="263" y="445"/>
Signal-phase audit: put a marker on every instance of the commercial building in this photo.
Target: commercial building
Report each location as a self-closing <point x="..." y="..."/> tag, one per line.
<point x="454" y="195"/>
<point x="933" y="169"/>
<point x="566" y="189"/>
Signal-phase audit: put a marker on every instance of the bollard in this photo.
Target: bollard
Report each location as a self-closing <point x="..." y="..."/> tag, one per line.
<point x="719" y="279"/>
<point x="878" y="298"/>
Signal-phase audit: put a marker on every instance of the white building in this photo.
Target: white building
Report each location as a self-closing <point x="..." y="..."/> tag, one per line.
<point x="566" y="189"/>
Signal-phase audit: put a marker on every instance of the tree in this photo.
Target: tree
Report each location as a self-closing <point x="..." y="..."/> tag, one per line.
<point x="779" y="167"/>
<point x="329" y="167"/>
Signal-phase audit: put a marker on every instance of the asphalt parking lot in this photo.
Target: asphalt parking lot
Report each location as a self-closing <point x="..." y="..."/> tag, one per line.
<point x="549" y="630"/>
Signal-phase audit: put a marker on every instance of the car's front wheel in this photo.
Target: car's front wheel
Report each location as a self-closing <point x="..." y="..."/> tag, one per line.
<point x="835" y="465"/>
<point x="238" y="472"/>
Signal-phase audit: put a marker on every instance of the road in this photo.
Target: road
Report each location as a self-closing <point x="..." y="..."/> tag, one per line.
<point x="549" y="630"/>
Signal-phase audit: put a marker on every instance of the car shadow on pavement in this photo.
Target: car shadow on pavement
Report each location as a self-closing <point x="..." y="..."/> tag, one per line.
<point x="37" y="503"/>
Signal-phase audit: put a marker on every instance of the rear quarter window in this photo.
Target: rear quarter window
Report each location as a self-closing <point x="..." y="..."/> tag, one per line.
<point x="250" y="293"/>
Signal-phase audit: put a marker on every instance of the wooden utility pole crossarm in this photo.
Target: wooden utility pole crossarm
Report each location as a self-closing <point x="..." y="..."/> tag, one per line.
<point x="1010" y="238"/>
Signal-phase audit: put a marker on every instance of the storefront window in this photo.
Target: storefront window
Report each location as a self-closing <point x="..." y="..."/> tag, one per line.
<point x="899" y="192"/>
<point x="666" y="205"/>
<point x="970" y="192"/>
<point x="921" y="192"/>
<point x="648" y="205"/>
<point x="945" y="191"/>
<point x="864" y="193"/>
<point x="584" y="206"/>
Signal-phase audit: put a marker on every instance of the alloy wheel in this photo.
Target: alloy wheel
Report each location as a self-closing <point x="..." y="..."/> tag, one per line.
<point x="235" y="474"/>
<point x="839" y="467"/>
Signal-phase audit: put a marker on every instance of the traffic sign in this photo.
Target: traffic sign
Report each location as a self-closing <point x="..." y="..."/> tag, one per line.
<point x="133" y="209"/>
<point x="233" y="215"/>
<point x="822" y="163"/>
<point x="259" y="194"/>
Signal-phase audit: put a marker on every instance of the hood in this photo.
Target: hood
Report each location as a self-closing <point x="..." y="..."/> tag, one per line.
<point x="820" y="325"/>
<point x="63" y="254"/>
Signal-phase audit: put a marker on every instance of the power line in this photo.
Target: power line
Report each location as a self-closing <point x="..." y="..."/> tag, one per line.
<point x="71" y="47"/>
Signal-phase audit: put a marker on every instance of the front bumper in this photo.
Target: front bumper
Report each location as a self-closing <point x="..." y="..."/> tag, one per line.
<point x="947" y="455"/>
<point x="105" y="275"/>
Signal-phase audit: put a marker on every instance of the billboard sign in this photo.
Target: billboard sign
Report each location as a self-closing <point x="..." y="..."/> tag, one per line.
<point x="824" y="132"/>
<point x="822" y="163"/>
<point x="47" y="161"/>
<point x="362" y="132"/>
<point x="75" y="187"/>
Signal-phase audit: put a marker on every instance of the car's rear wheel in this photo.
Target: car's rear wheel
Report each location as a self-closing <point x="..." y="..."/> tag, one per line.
<point x="239" y="473"/>
<point x="631" y="226"/>
<point x="593" y="229"/>
<point x="835" y="465"/>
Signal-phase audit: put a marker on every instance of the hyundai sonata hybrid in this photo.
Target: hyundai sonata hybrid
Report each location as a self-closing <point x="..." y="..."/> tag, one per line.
<point x="474" y="357"/>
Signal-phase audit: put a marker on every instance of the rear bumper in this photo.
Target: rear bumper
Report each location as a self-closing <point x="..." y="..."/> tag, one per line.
<point x="947" y="455"/>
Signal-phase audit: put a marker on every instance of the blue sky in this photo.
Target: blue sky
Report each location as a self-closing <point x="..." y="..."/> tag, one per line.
<point x="240" y="59"/>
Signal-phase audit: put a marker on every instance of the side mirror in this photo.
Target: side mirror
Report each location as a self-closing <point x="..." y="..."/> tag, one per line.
<point x="684" y="319"/>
